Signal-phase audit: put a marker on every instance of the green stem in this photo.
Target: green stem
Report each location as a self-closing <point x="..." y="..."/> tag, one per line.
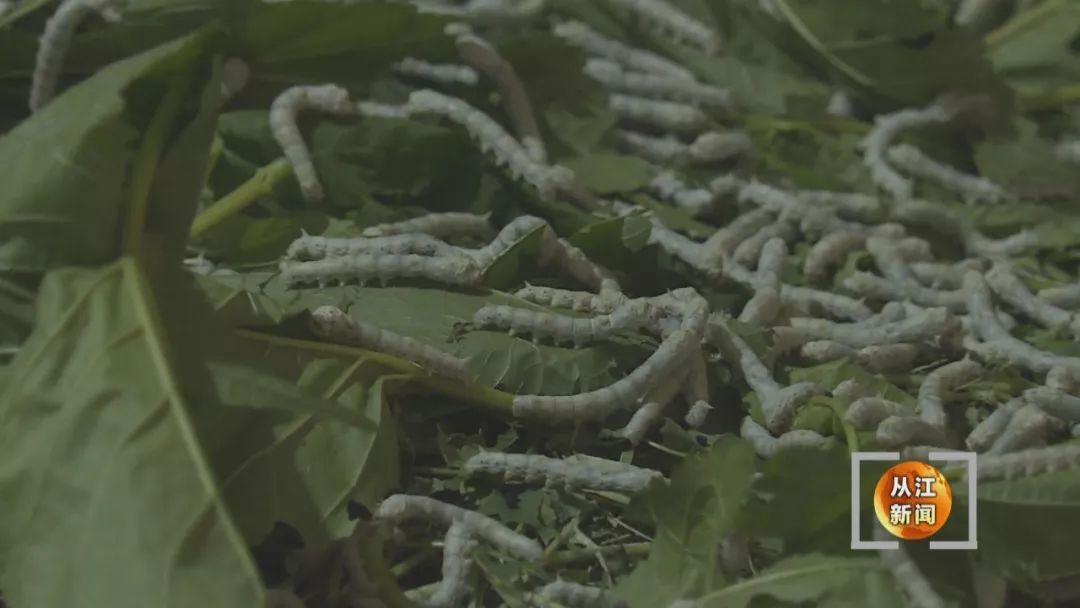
<point x="216" y="148"/>
<point x="1064" y="96"/>
<point x="146" y="162"/>
<point x="259" y="185"/>
<point x="1020" y="22"/>
<point x="573" y="556"/>
<point x="497" y="401"/>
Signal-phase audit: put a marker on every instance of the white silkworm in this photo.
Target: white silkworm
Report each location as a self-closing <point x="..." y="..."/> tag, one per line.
<point x="718" y="146"/>
<point x="869" y="285"/>
<point x="886" y="128"/>
<point x="667" y="20"/>
<point x="620" y="394"/>
<point x="898" y="430"/>
<point x="907" y="576"/>
<point x="55" y="40"/>
<point x="1055" y="402"/>
<point x="574" y="595"/>
<point x="697" y="413"/>
<point x="573" y="473"/>
<point x="668" y="187"/>
<point x="767" y="446"/>
<point x="655" y="86"/>
<point x="973" y="188"/>
<point x="1029" y="462"/>
<point x="665" y="150"/>
<point x="821" y="351"/>
<point x="494" y="139"/>
<point x="308" y="247"/>
<point x="366" y="267"/>
<point x="286" y="106"/>
<point x="941" y="275"/>
<point x="1063" y="380"/>
<point x="439" y="73"/>
<point x="748" y="251"/>
<point x="723" y="241"/>
<point x="975" y="243"/>
<point x="334" y="324"/>
<point x="763" y="307"/>
<point x="1068" y="151"/>
<point x="921" y="327"/>
<point x="887" y="358"/>
<point x="1065" y="296"/>
<point x="579" y="301"/>
<point x="830" y="250"/>
<point x="1028" y="427"/>
<point x="593" y="43"/>
<point x="453" y="589"/>
<point x="560" y="328"/>
<point x="866" y="413"/>
<point x="403" y="507"/>
<point x="652" y="409"/>
<point x="778" y="404"/>
<point x="666" y="115"/>
<point x="990" y="428"/>
<point x="849" y="205"/>
<point x="1012" y="290"/>
<point x="999" y="345"/>
<point x="374" y="109"/>
<point x="938" y="382"/>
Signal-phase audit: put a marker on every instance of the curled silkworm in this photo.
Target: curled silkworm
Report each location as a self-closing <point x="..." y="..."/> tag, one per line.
<point x="308" y="247"/>
<point x="621" y="394"/>
<point x="453" y="589"/>
<point x="909" y="579"/>
<point x="668" y="187"/>
<point x="1065" y="296"/>
<point x="972" y="187"/>
<point x="886" y="128"/>
<point x="366" y="267"/>
<point x="439" y="73"/>
<point x="866" y="413"/>
<point x="54" y="42"/>
<point x="768" y="446"/>
<point x="921" y="327"/>
<point x="898" y="430"/>
<point x="938" y="382"/>
<point x="404" y="507"/>
<point x="664" y="150"/>
<point x="593" y="43"/>
<point x="666" y="115"/>
<point x="1027" y="463"/>
<point x="655" y="86"/>
<point x="440" y="225"/>
<point x="334" y="324"/>
<point x="493" y="138"/>
<point x="1028" y="427"/>
<point x="283" y="115"/>
<point x="1012" y="290"/>
<point x="667" y="20"/>
<point x="717" y="146"/>
<point x="561" y="328"/>
<point x="574" y="595"/>
<point x="573" y="473"/>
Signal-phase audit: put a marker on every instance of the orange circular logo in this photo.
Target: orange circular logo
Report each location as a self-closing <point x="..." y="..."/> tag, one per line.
<point x="912" y="500"/>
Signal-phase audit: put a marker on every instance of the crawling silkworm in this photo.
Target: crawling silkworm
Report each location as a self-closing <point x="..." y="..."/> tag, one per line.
<point x="1028" y="427"/>
<point x="886" y="128"/>
<point x="573" y="473"/>
<point x="655" y="86"/>
<point x="453" y="588"/>
<point x="366" y="267"/>
<point x="663" y="150"/>
<point x="768" y="446"/>
<point x="717" y="146"/>
<point x="284" y="110"/>
<point x="668" y="187"/>
<point x="938" y="382"/>
<point x="581" y="35"/>
<point x="1012" y="290"/>
<point x="921" y="327"/>
<point x="990" y="428"/>
<point x="973" y="188"/>
<point x="866" y="413"/>
<point x="667" y="20"/>
<point x="1027" y="463"/>
<point x="574" y="595"/>
<point x="308" y="247"/>
<point x="439" y="73"/>
<point x="909" y="579"/>
<point x="665" y="115"/>
<point x="55" y="40"/>
<point x="560" y="328"/>
<point x="899" y="430"/>
<point x="1065" y="296"/>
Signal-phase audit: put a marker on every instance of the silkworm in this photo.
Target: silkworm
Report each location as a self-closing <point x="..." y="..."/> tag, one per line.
<point x="973" y="188"/>
<point x="594" y="43"/>
<point x="718" y="146"/>
<point x="887" y="357"/>
<point x="668" y="187"/>
<point x="663" y="150"/>
<point x="697" y="413"/>
<point x="866" y="413"/>
<point x="1065" y="296"/>
<point x="574" y="595"/>
<point x="404" y="507"/>
<point x="901" y="284"/>
<point x="778" y="404"/>
<point x="940" y="275"/>
<point x="334" y="324"/>
<point x="1055" y="401"/>
<point x="575" y="263"/>
<point x="572" y="473"/>
<point x="308" y="247"/>
<point x="651" y="411"/>
<point x="850" y="390"/>
<point x="849" y="205"/>
<point x="560" y="328"/>
<point x="990" y="428"/>
<point x="1068" y="151"/>
<point x="898" y="430"/>
<point x="922" y="327"/>
<point x="365" y="267"/>
<point x="374" y="109"/>
<point x="749" y="250"/>
<point x="807" y="300"/>
<point x="907" y="576"/>
<point x="886" y="128"/>
<point x="655" y="86"/>
<point x="767" y="446"/>
<point x="723" y="241"/>
<point x="439" y="73"/>
<point x="286" y="106"/>
<point x="453" y="589"/>
<point x="493" y="139"/>
<point x="1012" y="290"/>
<point x="1027" y="463"/>
<point x="938" y="382"/>
<point x="598" y="404"/>
<point x="999" y="345"/>
<point x="763" y="307"/>
<point x="579" y="301"/>
<point x="1064" y="380"/>
<point x="665" y="115"/>
<point x="830" y="250"/>
<point x="55" y="40"/>
<point x="667" y="20"/>
<point x="1028" y="427"/>
<point x="975" y="243"/>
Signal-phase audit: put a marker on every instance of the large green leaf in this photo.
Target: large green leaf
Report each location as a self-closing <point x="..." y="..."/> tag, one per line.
<point x="111" y="500"/>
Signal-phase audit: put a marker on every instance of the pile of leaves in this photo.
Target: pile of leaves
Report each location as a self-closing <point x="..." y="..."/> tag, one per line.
<point x="175" y="434"/>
